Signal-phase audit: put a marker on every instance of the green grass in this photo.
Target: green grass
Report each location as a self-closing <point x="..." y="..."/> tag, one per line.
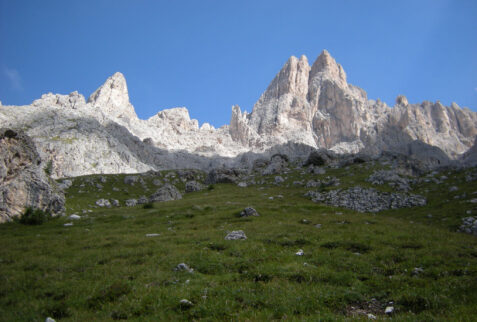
<point x="104" y="267"/>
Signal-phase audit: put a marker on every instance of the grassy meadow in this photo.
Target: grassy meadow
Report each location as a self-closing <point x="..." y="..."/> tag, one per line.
<point x="104" y="267"/>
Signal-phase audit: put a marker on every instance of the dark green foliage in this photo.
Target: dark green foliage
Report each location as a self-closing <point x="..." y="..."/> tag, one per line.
<point x="49" y="167"/>
<point x="148" y="205"/>
<point x="34" y="217"/>
<point x="210" y="187"/>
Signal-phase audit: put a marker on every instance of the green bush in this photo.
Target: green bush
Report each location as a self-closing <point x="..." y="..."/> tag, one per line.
<point x="210" y="187"/>
<point x="49" y="167"/>
<point x="34" y="217"/>
<point x="148" y="205"/>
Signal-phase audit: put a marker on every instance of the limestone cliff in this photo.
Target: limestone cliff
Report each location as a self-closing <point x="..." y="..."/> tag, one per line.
<point x="304" y="105"/>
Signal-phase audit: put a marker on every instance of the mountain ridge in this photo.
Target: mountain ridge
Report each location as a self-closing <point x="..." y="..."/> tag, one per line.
<point x="310" y="105"/>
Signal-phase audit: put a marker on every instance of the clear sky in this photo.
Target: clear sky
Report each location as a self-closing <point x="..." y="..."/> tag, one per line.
<point x="208" y="55"/>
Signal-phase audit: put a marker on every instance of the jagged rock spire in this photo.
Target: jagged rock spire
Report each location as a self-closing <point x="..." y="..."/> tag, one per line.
<point x="113" y="99"/>
<point x="326" y="66"/>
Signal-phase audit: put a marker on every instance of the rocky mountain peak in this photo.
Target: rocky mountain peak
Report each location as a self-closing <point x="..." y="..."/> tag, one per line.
<point x="326" y="66"/>
<point x="113" y="99"/>
<point x="402" y="100"/>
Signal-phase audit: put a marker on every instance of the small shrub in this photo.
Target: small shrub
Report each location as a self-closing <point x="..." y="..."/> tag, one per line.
<point x="148" y="205"/>
<point x="34" y="217"/>
<point x="48" y="168"/>
<point x="210" y="187"/>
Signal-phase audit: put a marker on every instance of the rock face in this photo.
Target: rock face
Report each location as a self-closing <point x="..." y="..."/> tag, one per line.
<point x="23" y="182"/>
<point x="316" y="106"/>
<point x="304" y="106"/>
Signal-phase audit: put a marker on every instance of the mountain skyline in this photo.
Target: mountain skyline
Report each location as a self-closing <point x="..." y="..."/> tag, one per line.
<point x="212" y="56"/>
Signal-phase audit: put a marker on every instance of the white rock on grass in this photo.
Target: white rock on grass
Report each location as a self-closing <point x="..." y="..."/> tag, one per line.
<point x="183" y="267"/>
<point x="74" y="217"/>
<point x="152" y="235"/>
<point x="236" y="235"/>
<point x="103" y="203"/>
<point x="300" y="252"/>
<point x="48" y="319"/>
<point x="69" y="224"/>
<point x="131" y="202"/>
<point x="389" y="310"/>
<point x="186" y="303"/>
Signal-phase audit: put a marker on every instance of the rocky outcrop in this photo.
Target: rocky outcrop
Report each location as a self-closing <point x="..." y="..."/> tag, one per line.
<point x="366" y="200"/>
<point x="23" y="181"/>
<point x="113" y="98"/>
<point x="166" y="193"/>
<point x="470" y="157"/>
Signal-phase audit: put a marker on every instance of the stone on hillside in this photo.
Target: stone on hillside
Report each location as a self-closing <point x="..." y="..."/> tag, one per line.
<point x="48" y="319"/>
<point x="391" y="177"/>
<point x="131" y="180"/>
<point x="313" y="184"/>
<point x="278" y="164"/>
<point x="319" y="158"/>
<point x="242" y="184"/>
<point x="300" y="252"/>
<point x="249" y="211"/>
<point x="316" y="170"/>
<point x="65" y="184"/>
<point x="389" y="310"/>
<point x="142" y="200"/>
<point x="166" y="193"/>
<point x="157" y="182"/>
<point x="469" y="225"/>
<point x="131" y="202"/>
<point x="74" y="217"/>
<point x="279" y="179"/>
<point x="185" y="303"/>
<point x="236" y="235"/>
<point x="192" y="186"/>
<point x="222" y="175"/>
<point x="23" y="181"/>
<point x="103" y="203"/>
<point x="183" y="267"/>
<point x="115" y="202"/>
<point x="366" y="200"/>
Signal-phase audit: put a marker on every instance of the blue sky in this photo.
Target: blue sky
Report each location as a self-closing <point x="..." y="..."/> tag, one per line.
<point x="208" y="55"/>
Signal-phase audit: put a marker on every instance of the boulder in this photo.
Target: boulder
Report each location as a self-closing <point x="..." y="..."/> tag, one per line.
<point x="23" y="181"/>
<point x="103" y="203"/>
<point x="249" y="211"/>
<point x="320" y="157"/>
<point x="166" y="193"/>
<point x="236" y="235"/>
<point x="131" y="202"/>
<point x="278" y="164"/>
<point x="222" y="175"/>
<point x="192" y="186"/>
